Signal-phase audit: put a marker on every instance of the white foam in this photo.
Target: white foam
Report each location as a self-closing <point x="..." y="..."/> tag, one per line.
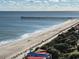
<point x="35" y="33"/>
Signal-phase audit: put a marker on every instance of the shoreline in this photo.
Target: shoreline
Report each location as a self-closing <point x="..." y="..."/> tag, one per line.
<point x="12" y="49"/>
<point x="33" y="34"/>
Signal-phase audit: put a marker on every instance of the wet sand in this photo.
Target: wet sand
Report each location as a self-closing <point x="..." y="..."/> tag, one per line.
<point x="12" y="49"/>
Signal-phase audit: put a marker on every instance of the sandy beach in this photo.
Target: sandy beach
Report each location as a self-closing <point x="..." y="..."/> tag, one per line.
<point x="12" y="49"/>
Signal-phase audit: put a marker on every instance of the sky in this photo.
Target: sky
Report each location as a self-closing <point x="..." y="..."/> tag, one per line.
<point x="38" y="5"/>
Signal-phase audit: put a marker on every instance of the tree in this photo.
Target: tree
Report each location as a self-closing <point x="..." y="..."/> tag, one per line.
<point x="74" y="56"/>
<point x="55" y="54"/>
<point x="62" y="47"/>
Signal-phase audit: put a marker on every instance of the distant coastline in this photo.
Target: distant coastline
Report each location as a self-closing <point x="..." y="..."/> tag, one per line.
<point x="39" y="13"/>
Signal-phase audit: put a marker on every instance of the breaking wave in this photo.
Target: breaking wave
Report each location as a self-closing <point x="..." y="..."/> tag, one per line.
<point x="27" y="35"/>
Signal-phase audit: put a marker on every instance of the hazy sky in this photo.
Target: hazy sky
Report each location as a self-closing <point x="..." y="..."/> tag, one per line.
<point x="38" y="5"/>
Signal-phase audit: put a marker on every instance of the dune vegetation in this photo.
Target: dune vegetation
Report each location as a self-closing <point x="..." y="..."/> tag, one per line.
<point x="65" y="45"/>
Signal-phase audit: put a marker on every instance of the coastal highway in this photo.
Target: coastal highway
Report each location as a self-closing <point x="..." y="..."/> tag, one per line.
<point x="12" y="50"/>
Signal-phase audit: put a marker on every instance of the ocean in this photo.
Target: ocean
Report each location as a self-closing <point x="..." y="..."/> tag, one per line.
<point x="19" y="25"/>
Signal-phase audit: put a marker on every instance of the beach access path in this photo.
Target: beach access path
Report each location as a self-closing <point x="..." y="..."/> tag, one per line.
<point x="12" y="49"/>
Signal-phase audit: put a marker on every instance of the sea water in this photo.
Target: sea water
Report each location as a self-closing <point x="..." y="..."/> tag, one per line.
<point x="14" y="27"/>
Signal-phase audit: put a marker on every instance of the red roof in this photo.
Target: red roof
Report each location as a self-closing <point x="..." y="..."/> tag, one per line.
<point x="36" y="58"/>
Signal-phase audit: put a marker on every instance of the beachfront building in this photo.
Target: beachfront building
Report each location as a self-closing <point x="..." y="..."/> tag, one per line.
<point x="39" y="54"/>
